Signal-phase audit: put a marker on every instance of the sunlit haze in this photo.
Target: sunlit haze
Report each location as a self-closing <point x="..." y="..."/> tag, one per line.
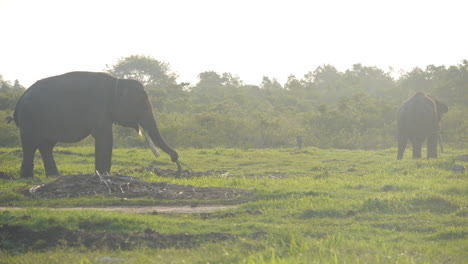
<point x="250" y="39"/>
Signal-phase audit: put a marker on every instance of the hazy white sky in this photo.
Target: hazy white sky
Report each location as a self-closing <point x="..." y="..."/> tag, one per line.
<point x="248" y="38"/>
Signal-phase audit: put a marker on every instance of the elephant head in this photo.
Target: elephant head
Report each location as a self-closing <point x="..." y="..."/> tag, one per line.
<point x="440" y="107"/>
<point x="131" y="108"/>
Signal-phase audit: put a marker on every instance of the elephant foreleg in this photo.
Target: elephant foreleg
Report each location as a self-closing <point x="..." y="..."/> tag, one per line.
<point x="103" y="151"/>
<point x="48" y="158"/>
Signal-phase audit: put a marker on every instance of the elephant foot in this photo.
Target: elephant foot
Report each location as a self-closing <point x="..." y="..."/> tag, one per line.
<point x="26" y="174"/>
<point x="431" y="155"/>
<point x="53" y="173"/>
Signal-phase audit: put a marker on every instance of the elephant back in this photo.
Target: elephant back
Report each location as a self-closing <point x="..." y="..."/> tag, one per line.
<point x="419" y="112"/>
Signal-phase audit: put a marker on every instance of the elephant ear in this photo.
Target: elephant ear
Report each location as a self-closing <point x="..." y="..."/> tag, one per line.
<point x="441" y="108"/>
<point x="124" y="110"/>
<point x="119" y="92"/>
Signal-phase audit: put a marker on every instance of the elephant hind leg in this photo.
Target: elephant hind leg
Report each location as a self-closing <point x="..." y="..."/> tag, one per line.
<point x="48" y="158"/>
<point x="402" y="142"/>
<point x="432" y="146"/>
<point x="27" y="166"/>
<point x="417" y="146"/>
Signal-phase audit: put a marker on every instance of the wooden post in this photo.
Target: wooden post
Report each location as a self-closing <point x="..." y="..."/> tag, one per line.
<point x="299" y="142"/>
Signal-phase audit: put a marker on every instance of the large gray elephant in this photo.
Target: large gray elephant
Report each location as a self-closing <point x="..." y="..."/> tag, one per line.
<point x="69" y="107"/>
<point x="418" y="120"/>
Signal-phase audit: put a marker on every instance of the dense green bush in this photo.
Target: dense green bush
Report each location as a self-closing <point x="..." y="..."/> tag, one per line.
<point x="355" y="109"/>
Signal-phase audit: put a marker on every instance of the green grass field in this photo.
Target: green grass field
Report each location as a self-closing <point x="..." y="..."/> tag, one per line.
<point x="308" y="206"/>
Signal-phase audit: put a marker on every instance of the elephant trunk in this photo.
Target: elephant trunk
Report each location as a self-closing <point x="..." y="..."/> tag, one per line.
<point x="153" y="137"/>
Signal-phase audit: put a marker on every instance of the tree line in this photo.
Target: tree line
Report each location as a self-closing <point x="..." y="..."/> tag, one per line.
<point x="352" y="109"/>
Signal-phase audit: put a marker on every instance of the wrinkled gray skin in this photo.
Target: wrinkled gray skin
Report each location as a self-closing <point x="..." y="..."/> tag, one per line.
<point x="69" y="107"/>
<point x="418" y="120"/>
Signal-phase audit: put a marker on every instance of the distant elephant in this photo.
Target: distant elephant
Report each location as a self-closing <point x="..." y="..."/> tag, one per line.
<point x="69" y="107"/>
<point x="418" y="120"/>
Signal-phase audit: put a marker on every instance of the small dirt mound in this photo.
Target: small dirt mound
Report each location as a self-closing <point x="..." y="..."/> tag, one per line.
<point x="128" y="187"/>
<point x="24" y="239"/>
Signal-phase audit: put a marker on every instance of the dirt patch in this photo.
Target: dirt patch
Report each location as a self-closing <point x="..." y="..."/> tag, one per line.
<point x="184" y="209"/>
<point x="21" y="239"/>
<point x="5" y="176"/>
<point x="128" y="187"/>
<point x="463" y="158"/>
<point x="331" y="160"/>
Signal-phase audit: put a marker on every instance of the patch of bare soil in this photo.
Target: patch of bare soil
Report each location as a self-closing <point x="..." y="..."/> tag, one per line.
<point x="129" y="187"/>
<point x="175" y="209"/>
<point x="21" y="239"/>
<point x="5" y="176"/>
<point x="463" y="157"/>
